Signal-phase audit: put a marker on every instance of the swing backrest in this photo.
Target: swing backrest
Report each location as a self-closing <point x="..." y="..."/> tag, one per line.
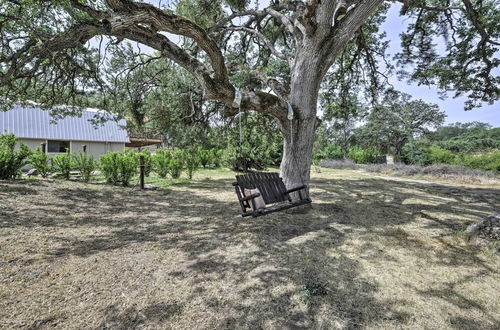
<point x="270" y="185"/>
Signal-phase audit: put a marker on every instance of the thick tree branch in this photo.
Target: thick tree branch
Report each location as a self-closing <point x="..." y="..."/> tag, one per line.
<point x="261" y="36"/>
<point x="129" y="13"/>
<point x="345" y="29"/>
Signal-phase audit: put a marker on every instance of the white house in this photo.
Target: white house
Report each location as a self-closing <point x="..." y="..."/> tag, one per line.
<point x="36" y="128"/>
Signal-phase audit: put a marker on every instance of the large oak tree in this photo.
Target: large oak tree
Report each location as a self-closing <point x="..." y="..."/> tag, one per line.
<point x="46" y="53"/>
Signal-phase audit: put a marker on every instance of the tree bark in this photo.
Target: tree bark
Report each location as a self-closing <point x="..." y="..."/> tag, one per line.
<point x="297" y="151"/>
<point x="299" y="132"/>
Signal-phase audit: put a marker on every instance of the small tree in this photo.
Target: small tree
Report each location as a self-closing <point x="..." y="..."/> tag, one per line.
<point x="11" y="161"/>
<point x="148" y="161"/>
<point x="128" y="166"/>
<point x="85" y="165"/>
<point x="390" y="126"/>
<point x="110" y="167"/>
<point x="63" y="164"/>
<point x="191" y="161"/>
<point x="119" y="166"/>
<point x="176" y="163"/>
<point x="162" y="162"/>
<point x="40" y="161"/>
<point x="218" y="157"/>
<point x="205" y="156"/>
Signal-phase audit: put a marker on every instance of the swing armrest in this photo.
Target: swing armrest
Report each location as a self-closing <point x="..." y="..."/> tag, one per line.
<point x="296" y="188"/>
<point x="249" y="197"/>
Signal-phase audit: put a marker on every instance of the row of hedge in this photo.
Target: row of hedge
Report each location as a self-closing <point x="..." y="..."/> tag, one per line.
<point x="357" y="154"/>
<point x="12" y="161"/>
<point x="116" y="167"/>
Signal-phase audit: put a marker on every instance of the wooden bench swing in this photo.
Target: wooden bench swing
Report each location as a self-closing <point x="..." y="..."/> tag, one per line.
<point x="261" y="193"/>
<point x="271" y="189"/>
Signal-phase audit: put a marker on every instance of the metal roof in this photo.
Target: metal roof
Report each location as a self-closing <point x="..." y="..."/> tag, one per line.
<point x="35" y="123"/>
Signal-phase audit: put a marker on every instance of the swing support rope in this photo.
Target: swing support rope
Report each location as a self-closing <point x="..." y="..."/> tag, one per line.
<point x="237" y="103"/>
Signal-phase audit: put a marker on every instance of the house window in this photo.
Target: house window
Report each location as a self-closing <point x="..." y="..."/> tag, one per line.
<point x="57" y="146"/>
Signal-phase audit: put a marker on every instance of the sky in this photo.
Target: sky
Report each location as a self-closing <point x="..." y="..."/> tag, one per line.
<point x="454" y="108"/>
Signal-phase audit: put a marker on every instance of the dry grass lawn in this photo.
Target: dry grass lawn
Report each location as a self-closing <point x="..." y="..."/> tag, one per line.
<point x="372" y="253"/>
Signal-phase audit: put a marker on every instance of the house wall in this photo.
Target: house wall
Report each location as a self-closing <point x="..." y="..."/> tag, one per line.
<point x="31" y="143"/>
<point x="96" y="148"/>
<point x="93" y="148"/>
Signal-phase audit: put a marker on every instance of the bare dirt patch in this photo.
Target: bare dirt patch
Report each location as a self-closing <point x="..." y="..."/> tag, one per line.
<point x="371" y="253"/>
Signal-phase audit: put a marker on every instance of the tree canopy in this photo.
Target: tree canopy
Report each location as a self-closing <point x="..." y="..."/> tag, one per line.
<point x="58" y="54"/>
<point x="279" y="54"/>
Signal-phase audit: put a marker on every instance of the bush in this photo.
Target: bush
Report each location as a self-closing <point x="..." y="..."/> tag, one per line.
<point x="110" y="167"/>
<point x="217" y="157"/>
<point x="11" y="161"/>
<point x="62" y="164"/>
<point x="437" y="155"/>
<point x="119" y="166"/>
<point x="487" y="161"/>
<point x="206" y="157"/>
<point x="191" y="161"/>
<point x="362" y="156"/>
<point x="330" y="151"/>
<point x="40" y="161"/>
<point x="416" y="153"/>
<point x="85" y="165"/>
<point x="148" y="161"/>
<point x="245" y="158"/>
<point x="162" y="162"/>
<point x="127" y="166"/>
<point x="176" y="163"/>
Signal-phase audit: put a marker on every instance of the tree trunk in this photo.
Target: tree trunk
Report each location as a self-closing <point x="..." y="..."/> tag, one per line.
<point x="297" y="152"/>
<point x="299" y="134"/>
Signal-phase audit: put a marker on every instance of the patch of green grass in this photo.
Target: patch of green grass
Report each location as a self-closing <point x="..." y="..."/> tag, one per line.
<point x="313" y="287"/>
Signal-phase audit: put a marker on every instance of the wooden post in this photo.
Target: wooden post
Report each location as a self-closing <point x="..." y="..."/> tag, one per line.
<point x="141" y="169"/>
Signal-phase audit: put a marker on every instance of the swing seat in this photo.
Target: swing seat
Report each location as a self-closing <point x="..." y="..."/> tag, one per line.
<point x="273" y="191"/>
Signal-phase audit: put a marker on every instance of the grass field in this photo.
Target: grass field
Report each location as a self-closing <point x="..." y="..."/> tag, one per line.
<point x="373" y="252"/>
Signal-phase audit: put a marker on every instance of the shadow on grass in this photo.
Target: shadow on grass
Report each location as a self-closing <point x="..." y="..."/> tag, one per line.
<point x="293" y="259"/>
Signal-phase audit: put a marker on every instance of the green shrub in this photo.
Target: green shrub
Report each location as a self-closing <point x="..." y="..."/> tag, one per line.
<point x="148" y="161"/>
<point x="205" y="156"/>
<point x="487" y="161"/>
<point x="217" y="157"/>
<point x="127" y="166"/>
<point x="191" y="161"/>
<point x="437" y="155"/>
<point x="119" y="166"/>
<point x="62" y="163"/>
<point x="40" y="161"/>
<point x="416" y="153"/>
<point x="85" y="165"/>
<point x="11" y="161"/>
<point x="330" y="151"/>
<point x="176" y="163"/>
<point x="246" y="158"/>
<point x="362" y="156"/>
<point x="162" y="162"/>
<point x="110" y="166"/>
